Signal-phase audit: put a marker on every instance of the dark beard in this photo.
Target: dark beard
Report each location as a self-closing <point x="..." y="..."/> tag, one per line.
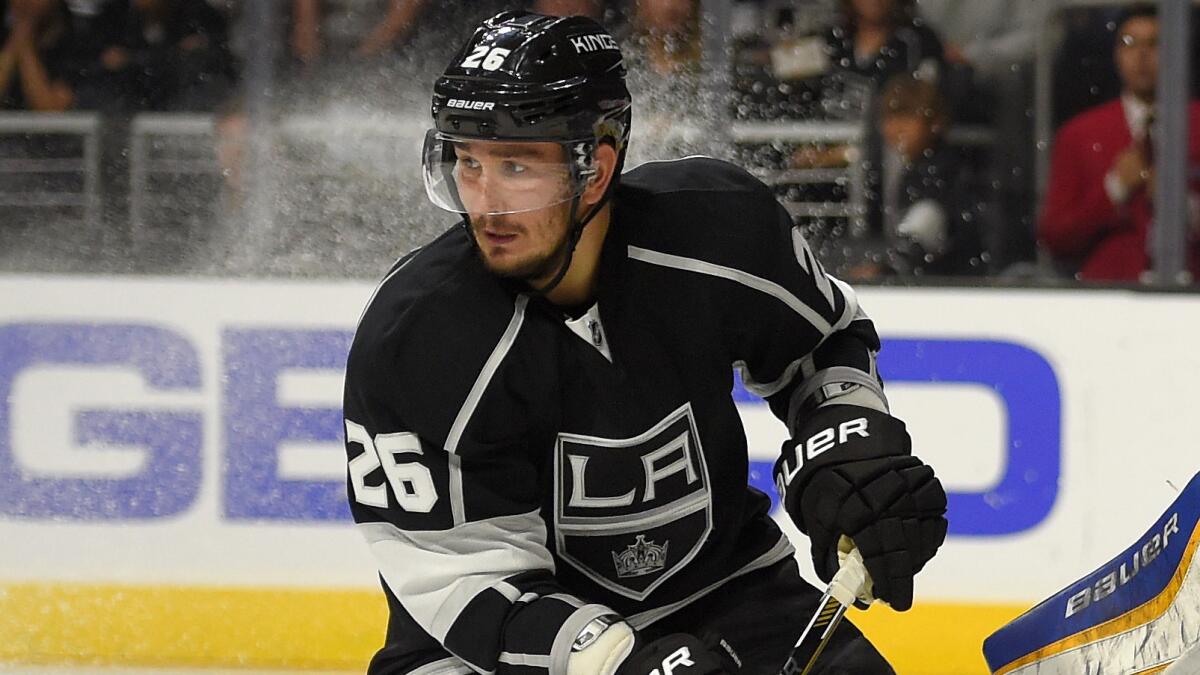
<point x="539" y="268"/>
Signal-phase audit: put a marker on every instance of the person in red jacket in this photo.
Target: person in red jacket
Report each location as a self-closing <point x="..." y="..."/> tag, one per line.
<point x="1100" y="198"/>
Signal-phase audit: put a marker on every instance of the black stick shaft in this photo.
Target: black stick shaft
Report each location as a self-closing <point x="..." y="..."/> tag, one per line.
<point x="815" y="636"/>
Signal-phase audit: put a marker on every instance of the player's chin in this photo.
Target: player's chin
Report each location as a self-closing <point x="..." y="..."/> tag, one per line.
<point x="505" y="265"/>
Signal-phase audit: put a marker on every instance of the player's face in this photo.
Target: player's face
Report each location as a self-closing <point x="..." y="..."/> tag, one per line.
<point x="528" y="245"/>
<point x="1137" y="56"/>
<point x="503" y="187"/>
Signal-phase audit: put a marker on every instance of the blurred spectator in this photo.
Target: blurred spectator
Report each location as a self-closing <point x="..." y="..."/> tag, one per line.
<point x="1099" y="201"/>
<point x="396" y="21"/>
<point x="987" y="36"/>
<point x="922" y="186"/>
<point x="372" y="28"/>
<point x="39" y="63"/>
<point x="304" y="40"/>
<point x="590" y="8"/>
<point x="780" y="55"/>
<point x="351" y="52"/>
<point x="990" y="48"/>
<point x="1083" y="73"/>
<point x="231" y="125"/>
<point x="922" y="230"/>
<point x="666" y="36"/>
<point x="872" y="41"/>
<point x="222" y="239"/>
<point x="164" y="55"/>
<point x="663" y="50"/>
<point x="990" y="52"/>
<point x="360" y="28"/>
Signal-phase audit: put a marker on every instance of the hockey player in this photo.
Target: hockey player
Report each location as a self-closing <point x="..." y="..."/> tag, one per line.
<point x="544" y="454"/>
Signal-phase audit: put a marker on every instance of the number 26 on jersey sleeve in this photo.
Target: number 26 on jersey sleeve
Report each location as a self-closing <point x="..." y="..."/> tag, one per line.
<point x="411" y="482"/>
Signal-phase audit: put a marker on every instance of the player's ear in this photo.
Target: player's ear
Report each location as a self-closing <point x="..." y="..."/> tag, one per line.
<point x="604" y="161"/>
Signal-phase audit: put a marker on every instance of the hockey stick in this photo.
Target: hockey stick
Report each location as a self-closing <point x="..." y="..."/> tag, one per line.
<point x="851" y="579"/>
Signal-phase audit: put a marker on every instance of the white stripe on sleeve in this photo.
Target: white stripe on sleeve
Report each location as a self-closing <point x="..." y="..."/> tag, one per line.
<point x="434" y="574"/>
<point x="448" y="666"/>
<point x="745" y="278"/>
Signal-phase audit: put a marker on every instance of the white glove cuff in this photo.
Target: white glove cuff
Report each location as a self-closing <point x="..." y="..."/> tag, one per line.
<point x="604" y="653"/>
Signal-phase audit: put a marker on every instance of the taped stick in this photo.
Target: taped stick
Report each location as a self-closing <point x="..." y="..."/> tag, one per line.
<point x="850" y="582"/>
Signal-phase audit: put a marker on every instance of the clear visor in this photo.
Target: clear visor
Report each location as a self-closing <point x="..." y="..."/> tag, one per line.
<point x="471" y="176"/>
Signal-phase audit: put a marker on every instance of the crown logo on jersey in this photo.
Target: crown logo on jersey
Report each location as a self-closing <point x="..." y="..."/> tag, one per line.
<point x="641" y="558"/>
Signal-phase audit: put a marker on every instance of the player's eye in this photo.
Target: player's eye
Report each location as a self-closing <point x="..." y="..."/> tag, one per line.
<point x="514" y="168"/>
<point x="468" y="162"/>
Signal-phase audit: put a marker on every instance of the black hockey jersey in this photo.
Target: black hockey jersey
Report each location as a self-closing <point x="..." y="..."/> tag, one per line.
<point x="518" y="472"/>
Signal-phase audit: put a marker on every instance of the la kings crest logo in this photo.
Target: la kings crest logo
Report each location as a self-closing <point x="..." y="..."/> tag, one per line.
<point x="632" y="512"/>
<point x="640" y="558"/>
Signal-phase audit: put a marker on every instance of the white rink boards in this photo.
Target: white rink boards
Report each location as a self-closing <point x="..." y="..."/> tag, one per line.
<point x="171" y="479"/>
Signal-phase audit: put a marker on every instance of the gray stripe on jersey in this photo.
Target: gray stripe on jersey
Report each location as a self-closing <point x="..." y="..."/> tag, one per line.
<point x="435" y="574"/>
<point x="510" y="592"/>
<point x="485" y="375"/>
<point x="531" y="660"/>
<point x="808" y="365"/>
<point x="457" y="505"/>
<point x="770" y="388"/>
<point x="672" y="159"/>
<point x="448" y="666"/>
<point x="745" y="278"/>
<point x="569" y="599"/>
<point x="411" y="254"/>
<point x="609" y="525"/>
<point x="571" y="628"/>
<point x="781" y="550"/>
<point x="852" y="312"/>
<point x="834" y="377"/>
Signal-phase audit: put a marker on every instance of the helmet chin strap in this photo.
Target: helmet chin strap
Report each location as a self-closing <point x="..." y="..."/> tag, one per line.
<point x="567" y="249"/>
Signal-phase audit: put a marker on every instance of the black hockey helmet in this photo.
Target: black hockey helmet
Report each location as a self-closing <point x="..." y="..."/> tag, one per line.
<point x="528" y="77"/>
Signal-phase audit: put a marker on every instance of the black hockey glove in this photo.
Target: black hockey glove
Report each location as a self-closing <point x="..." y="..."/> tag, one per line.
<point x="850" y="471"/>
<point x="677" y="654"/>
